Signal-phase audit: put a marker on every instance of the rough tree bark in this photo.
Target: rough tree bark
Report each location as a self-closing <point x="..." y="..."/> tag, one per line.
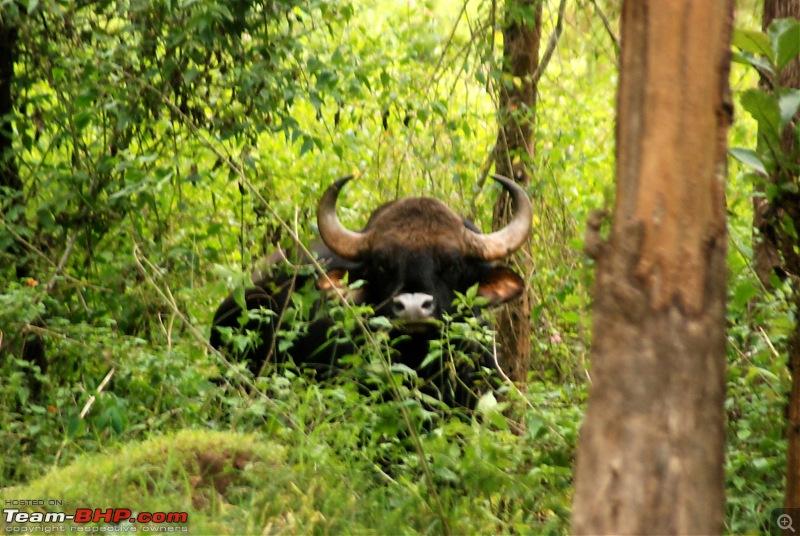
<point x="650" y="453"/>
<point x="522" y="28"/>
<point x="774" y="251"/>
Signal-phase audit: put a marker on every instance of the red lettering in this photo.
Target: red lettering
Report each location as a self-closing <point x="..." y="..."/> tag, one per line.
<point x="106" y="516"/>
<point x="121" y="514"/>
<point x="177" y="517"/>
<point x="83" y="515"/>
<point x="118" y="515"/>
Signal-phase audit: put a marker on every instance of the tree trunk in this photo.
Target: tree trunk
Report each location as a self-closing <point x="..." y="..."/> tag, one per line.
<point x="8" y="42"/>
<point x="651" y="450"/>
<point x="774" y="252"/>
<point x="792" y="496"/>
<point x="522" y="29"/>
<point x="10" y="183"/>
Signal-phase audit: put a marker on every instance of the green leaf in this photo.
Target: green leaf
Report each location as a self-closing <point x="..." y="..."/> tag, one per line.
<point x="743" y="293"/>
<point x="772" y="191"/>
<point x="571" y="317"/>
<point x="535" y="426"/>
<point x="75" y="427"/>
<point x="238" y="296"/>
<point x="405" y="370"/>
<point x="308" y="144"/>
<point x="497" y="419"/>
<point x="789" y="102"/>
<point x="788" y="226"/>
<point x="486" y="404"/>
<point x="433" y="356"/>
<point x="83" y="118"/>
<point x="749" y="158"/>
<point x="765" y="110"/>
<point x="760" y="462"/>
<point x="746" y="58"/>
<point x="762" y="373"/>
<point x="785" y="37"/>
<point x="752" y="41"/>
<point x="380" y="322"/>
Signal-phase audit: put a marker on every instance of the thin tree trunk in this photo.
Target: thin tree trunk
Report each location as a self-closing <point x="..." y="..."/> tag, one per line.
<point x="774" y="253"/>
<point x="10" y="183"/>
<point x="8" y="43"/>
<point x="651" y="449"/>
<point x="792" y="496"/>
<point x="522" y="30"/>
<point x="11" y="187"/>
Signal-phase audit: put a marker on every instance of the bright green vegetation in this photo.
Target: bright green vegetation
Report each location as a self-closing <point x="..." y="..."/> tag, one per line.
<point x="165" y="151"/>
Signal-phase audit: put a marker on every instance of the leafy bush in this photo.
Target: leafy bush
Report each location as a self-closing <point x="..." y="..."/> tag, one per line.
<point x="165" y="148"/>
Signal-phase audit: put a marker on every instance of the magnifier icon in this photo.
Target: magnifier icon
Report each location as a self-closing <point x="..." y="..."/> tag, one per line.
<point x="785" y="522"/>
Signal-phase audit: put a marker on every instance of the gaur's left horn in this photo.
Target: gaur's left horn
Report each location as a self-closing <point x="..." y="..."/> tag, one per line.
<point x="510" y="238"/>
<point x="342" y="241"/>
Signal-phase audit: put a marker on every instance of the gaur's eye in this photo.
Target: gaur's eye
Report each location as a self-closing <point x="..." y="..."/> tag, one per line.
<point x="380" y="267"/>
<point x="450" y="262"/>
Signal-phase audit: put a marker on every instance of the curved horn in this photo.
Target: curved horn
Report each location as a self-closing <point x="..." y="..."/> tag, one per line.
<point x="507" y="240"/>
<point x="336" y="236"/>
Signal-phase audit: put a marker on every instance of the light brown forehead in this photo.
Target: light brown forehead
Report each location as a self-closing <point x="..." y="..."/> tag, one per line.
<point x="416" y="223"/>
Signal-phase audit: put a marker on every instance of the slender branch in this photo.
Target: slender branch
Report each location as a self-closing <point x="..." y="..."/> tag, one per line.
<point x="62" y="261"/>
<point x="552" y="41"/>
<point x="504" y="376"/>
<point x="100" y="388"/>
<point x="85" y="411"/>
<point x="39" y="253"/>
<point x="448" y="42"/>
<point x="607" y="25"/>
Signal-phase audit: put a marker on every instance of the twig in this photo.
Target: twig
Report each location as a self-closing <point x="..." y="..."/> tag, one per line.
<point x="769" y="342"/>
<point x="84" y="411"/>
<point x="100" y="388"/>
<point x="552" y="41"/>
<point x="503" y="375"/>
<point x="607" y="25"/>
<point x="39" y="253"/>
<point x="39" y="330"/>
<point x="166" y="295"/>
<point x="169" y="300"/>
<point x="62" y="261"/>
<point x="448" y="43"/>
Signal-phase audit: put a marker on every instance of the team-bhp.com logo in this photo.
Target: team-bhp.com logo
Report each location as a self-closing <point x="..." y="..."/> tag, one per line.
<point x="22" y="522"/>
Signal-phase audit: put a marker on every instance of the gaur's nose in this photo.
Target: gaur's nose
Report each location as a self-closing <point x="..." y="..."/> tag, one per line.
<point x="413" y="306"/>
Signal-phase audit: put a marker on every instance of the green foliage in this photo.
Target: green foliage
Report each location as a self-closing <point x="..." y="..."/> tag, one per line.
<point x="759" y="319"/>
<point x="772" y="106"/>
<point x="324" y="479"/>
<point x="165" y="147"/>
<point x="757" y="383"/>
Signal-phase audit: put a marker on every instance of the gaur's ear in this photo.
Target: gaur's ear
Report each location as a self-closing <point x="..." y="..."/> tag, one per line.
<point x="500" y="285"/>
<point x="337" y="279"/>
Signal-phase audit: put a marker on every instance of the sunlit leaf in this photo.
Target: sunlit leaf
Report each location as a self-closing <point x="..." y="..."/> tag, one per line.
<point x="789" y="102"/>
<point x="785" y="41"/>
<point x="764" y="108"/>
<point x="752" y="41"/>
<point x="749" y="158"/>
